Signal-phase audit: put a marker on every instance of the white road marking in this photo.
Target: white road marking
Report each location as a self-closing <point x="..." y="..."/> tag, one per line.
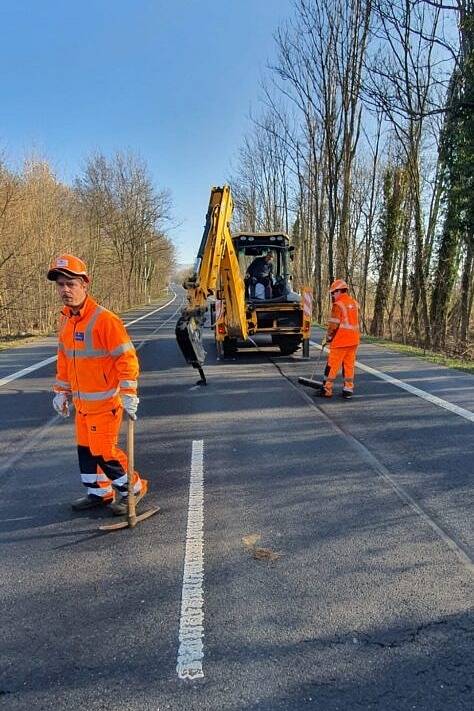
<point x="25" y="371"/>
<point x="382" y="471"/>
<point x="191" y="625"/>
<point x="140" y="318"/>
<point x="149" y="335"/>
<point x="413" y="390"/>
<point x="47" y="361"/>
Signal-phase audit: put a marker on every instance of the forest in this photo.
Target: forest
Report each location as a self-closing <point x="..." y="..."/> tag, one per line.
<point x="363" y="151"/>
<point x="112" y="217"/>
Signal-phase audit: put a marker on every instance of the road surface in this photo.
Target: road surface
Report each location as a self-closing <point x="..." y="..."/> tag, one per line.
<point x="309" y="554"/>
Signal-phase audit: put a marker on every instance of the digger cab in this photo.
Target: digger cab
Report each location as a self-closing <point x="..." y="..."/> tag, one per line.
<point x="264" y="260"/>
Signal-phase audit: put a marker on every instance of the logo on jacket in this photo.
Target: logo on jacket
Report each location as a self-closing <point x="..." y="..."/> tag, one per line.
<point x="79" y="336"/>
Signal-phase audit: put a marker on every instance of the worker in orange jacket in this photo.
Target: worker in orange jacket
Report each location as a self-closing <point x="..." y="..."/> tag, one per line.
<point x="343" y="335"/>
<point x="97" y="370"/>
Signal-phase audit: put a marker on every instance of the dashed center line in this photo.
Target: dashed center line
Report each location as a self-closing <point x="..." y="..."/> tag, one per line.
<point x="191" y="626"/>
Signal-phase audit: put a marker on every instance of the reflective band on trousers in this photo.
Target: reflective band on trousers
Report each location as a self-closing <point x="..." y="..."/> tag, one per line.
<point x="93" y="478"/>
<point x="88" y="478"/>
<point x="103" y="491"/>
<point x="104" y="395"/>
<point x="121" y="480"/>
<point x="137" y="487"/>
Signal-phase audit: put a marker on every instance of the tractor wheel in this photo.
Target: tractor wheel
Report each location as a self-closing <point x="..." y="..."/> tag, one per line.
<point x="287" y="344"/>
<point x="229" y="346"/>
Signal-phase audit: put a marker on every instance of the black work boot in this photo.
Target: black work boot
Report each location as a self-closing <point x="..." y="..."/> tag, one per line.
<point x="120" y="507"/>
<point x="89" y="502"/>
<point x="347" y="394"/>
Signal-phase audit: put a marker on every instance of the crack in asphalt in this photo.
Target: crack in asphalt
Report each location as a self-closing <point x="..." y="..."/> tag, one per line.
<point x="381" y="470"/>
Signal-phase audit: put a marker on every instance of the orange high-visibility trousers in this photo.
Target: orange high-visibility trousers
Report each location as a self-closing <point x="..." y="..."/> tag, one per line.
<point x="340" y="357"/>
<point x="103" y="465"/>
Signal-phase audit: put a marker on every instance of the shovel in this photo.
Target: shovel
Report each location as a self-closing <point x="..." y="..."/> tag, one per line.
<point x="132" y="517"/>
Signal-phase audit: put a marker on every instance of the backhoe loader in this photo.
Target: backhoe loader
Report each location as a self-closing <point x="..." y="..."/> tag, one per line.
<point x="241" y="302"/>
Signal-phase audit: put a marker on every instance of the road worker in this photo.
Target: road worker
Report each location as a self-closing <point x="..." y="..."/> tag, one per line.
<point x="97" y="370"/>
<point x="260" y="273"/>
<point x="343" y="335"/>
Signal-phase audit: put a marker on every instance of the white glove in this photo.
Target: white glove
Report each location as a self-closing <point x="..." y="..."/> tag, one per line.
<point x="61" y="404"/>
<point x="130" y="405"/>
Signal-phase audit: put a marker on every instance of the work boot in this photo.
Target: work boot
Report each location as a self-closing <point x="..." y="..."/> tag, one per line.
<point x="120" y="507"/>
<point x="324" y="393"/>
<point x="347" y="394"/>
<point x="89" y="502"/>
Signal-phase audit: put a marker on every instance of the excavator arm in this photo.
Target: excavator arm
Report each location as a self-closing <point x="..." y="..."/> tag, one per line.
<point x="216" y="270"/>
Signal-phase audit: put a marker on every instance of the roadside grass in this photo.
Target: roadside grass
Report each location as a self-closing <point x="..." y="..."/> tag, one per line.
<point x="21" y="340"/>
<point x="17" y="340"/>
<point x="466" y="365"/>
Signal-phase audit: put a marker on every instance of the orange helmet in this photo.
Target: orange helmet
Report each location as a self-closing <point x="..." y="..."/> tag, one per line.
<point x="338" y="284"/>
<point x="69" y="265"/>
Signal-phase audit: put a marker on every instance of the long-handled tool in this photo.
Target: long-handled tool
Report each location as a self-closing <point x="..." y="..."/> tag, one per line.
<point x="311" y="382"/>
<point x="132" y="517"/>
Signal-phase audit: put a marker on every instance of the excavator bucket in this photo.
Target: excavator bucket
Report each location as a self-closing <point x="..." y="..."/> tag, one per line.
<point x="188" y="336"/>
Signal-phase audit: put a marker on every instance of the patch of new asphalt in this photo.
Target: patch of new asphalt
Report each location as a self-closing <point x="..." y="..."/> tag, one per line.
<point x="366" y="607"/>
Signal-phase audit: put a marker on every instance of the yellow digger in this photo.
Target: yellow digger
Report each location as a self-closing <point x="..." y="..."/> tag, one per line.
<point x="243" y="280"/>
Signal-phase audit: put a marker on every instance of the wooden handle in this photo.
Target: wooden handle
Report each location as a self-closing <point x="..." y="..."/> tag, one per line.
<point x="131" y="511"/>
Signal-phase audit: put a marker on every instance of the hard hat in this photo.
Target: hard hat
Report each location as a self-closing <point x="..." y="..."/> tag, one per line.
<point x="338" y="284"/>
<point x="69" y="265"/>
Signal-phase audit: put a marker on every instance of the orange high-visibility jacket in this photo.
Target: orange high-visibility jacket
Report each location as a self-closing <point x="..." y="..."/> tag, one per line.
<point x="343" y="324"/>
<point x="96" y="359"/>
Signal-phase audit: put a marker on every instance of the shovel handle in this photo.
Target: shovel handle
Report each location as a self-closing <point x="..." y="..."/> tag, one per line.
<point x="131" y="510"/>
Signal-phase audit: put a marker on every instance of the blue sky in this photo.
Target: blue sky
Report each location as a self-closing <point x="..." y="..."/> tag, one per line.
<point x="173" y="81"/>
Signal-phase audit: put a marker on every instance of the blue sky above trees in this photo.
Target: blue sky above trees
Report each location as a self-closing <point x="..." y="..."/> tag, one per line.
<point x="173" y="82"/>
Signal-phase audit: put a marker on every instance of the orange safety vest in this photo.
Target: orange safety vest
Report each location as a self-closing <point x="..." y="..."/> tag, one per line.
<point x="96" y="359"/>
<point x="343" y="324"/>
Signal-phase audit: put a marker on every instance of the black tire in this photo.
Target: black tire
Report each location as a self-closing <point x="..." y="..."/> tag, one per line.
<point x="287" y="344"/>
<point x="229" y="346"/>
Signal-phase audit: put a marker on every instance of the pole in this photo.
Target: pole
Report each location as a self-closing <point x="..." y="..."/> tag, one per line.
<point x="131" y="507"/>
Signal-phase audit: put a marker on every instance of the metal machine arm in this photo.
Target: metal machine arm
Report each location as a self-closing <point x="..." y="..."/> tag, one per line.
<point x="216" y="268"/>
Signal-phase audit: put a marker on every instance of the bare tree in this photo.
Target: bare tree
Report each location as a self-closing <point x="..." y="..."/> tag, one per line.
<point x="126" y="212"/>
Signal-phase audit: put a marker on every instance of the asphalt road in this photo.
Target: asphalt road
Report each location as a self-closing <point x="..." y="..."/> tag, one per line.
<point x="360" y="594"/>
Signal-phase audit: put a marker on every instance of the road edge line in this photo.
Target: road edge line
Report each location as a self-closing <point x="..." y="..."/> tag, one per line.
<point x="36" y="366"/>
<point x="467" y="414"/>
<point x="381" y="470"/>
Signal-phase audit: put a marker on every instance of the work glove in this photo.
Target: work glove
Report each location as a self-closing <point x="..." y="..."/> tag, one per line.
<point x="61" y="404"/>
<point x="130" y="405"/>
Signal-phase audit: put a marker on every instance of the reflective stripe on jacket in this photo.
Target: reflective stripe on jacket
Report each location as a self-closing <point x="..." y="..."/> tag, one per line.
<point x="96" y="358"/>
<point x="343" y="324"/>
